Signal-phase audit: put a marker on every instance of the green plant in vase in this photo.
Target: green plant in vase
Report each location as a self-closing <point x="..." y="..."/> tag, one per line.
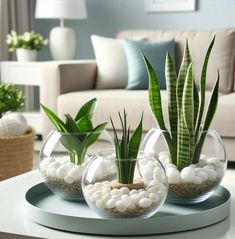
<point x="188" y="123"/>
<point x="126" y="149"/>
<point x="125" y="182"/>
<point x="77" y="135"/>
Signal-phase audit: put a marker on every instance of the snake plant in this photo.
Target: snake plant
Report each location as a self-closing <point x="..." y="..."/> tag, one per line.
<point x="78" y="134"/>
<point x="126" y="149"/>
<point x="187" y="126"/>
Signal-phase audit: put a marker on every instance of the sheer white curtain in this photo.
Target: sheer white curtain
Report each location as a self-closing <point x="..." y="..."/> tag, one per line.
<point x="15" y="15"/>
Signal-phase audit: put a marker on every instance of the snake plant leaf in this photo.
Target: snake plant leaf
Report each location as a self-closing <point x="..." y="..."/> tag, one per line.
<point x="181" y="76"/>
<point x="154" y="95"/>
<point x="196" y="103"/>
<point x="71" y="124"/>
<point x="171" y="80"/>
<point x="203" y="85"/>
<point x="188" y="100"/>
<point x="116" y="140"/>
<point x="56" y="121"/>
<point x="84" y="124"/>
<point x="212" y="105"/>
<point x="92" y="137"/>
<point x="135" y="140"/>
<point x="86" y="109"/>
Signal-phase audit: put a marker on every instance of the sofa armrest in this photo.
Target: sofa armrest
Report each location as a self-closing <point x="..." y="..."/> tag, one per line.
<point x="59" y="77"/>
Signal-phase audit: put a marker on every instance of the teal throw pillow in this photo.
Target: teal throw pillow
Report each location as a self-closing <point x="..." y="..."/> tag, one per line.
<point x="155" y="51"/>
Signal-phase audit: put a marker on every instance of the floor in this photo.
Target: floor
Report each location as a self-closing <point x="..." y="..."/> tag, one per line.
<point x="228" y="180"/>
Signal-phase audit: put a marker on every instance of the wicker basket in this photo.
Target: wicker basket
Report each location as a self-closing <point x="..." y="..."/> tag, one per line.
<point x="16" y="154"/>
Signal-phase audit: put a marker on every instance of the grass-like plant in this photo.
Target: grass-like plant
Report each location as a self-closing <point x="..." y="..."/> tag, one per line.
<point x="126" y="149"/>
<point x="11" y="98"/>
<point x="78" y="134"/>
<point x="188" y="127"/>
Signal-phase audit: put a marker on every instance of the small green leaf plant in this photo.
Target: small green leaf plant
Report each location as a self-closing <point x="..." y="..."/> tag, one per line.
<point x="78" y="133"/>
<point x="126" y="149"/>
<point x="188" y="127"/>
<point x="11" y="98"/>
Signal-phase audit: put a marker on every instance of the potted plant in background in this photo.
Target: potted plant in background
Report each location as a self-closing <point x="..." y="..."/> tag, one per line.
<point x="125" y="182"/>
<point x="16" y="138"/>
<point x="64" y="153"/>
<point x="196" y="158"/>
<point x="26" y="45"/>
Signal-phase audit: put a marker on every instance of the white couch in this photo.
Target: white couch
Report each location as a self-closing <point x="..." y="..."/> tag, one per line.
<point x="67" y="85"/>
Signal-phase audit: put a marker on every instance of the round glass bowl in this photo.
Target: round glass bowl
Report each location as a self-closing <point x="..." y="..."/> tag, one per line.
<point x="63" y="158"/>
<point x="141" y="198"/>
<point x="197" y="181"/>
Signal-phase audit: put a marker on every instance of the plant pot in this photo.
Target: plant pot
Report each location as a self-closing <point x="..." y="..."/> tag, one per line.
<point x="63" y="160"/>
<point x="109" y="198"/>
<point x="16" y="154"/>
<point x="26" y="55"/>
<point x="196" y="181"/>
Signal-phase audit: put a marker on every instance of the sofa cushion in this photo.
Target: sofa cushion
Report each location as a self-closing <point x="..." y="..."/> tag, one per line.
<point x="111" y="62"/>
<point x="222" y="56"/>
<point x="155" y="52"/>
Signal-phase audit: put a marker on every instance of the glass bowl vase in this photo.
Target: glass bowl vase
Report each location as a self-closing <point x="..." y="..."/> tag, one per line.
<point x="199" y="178"/>
<point x="142" y="197"/>
<point x="63" y="158"/>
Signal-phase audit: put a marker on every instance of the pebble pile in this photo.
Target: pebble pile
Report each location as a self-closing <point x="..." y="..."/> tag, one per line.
<point x="195" y="179"/>
<point x="61" y="174"/>
<point x="125" y="203"/>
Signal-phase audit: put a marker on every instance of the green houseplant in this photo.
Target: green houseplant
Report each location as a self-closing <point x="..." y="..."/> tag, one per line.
<point x="122" y="183"/>
<point x="25" y="45"/>
<point x="73" y="137"/>
<point x="188" y="129"/>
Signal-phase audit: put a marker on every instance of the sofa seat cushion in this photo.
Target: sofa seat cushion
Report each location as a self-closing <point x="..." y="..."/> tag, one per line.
<point x="112" y="101"/>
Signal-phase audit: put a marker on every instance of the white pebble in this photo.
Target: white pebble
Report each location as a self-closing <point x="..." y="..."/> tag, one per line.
<point x="147" y="174"/>
<point x="106" y="183"/>
<point x="120" y="206"/>
<point x="124" y="190"/>
<point x="145" y="202"/>
<point x="197" y="180"/>
<point x="106" y="197"/>
<point x="125" y="199"/>
<point x="135" y="198"/>
<point x="116" y="197"/>
<point x="68" y="179"/>
<point x="90" y="193"/>
<point x="51" y="172"/>
<point x="116" y="192"/>
<point x="154" y="197"/>
<point x="143" y="194"/>
<point x="98" y="186"/>
<point x="89" y="187"/>
<point x="153" y="189"/>
<point x="62" y="171"/>
<point x="174" y="177"/>
<point x="211" y="174"/>
<point x="54" y="165"/>
<point x="192" y="166"/>
<point x="106" y="190"/>
<point x="97" y="195"/>
<point x="187" y="174"/>
<point x="76" y="172"/>
<point x="203" y="175"/>
<point x="133" y="191"/>
<point x="110" y="203"/>
<point x="100" y="204"/>
<point x="210" y="166"/>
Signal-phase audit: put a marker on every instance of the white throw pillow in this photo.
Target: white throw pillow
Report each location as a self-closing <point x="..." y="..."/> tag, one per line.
<point x="111" y="62"/>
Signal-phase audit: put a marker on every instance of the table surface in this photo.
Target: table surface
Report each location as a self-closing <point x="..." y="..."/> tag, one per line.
<point x="12" y="218"/>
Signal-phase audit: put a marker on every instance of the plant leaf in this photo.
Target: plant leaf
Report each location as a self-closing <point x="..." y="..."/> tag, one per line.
<point x="56" y="121"/>
<point x="203" y="86"/>
<point x="71" y="124"/>
<point x="86" y="109"/>
<point x="84" y="124"/>
<point x="135" y="140"/>
<point x="92" y="137"/>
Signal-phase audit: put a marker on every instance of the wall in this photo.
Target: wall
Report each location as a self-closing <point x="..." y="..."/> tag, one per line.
<point x="107" y="17"/>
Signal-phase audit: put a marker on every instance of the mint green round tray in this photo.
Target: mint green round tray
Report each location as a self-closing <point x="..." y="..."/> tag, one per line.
<point x="45" y="208"/>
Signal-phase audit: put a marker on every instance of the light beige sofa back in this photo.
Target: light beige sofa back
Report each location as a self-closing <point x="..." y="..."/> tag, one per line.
<point x="222" y="56"/>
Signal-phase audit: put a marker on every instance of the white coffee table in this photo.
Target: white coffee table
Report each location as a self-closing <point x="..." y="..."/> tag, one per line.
<point x="12" y="219"/>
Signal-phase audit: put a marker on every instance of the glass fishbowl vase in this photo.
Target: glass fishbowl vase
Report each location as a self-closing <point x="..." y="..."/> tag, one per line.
<point x="108" y="190"/>
<point x="196" y="180"/>
<point x="63" y="158"/>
